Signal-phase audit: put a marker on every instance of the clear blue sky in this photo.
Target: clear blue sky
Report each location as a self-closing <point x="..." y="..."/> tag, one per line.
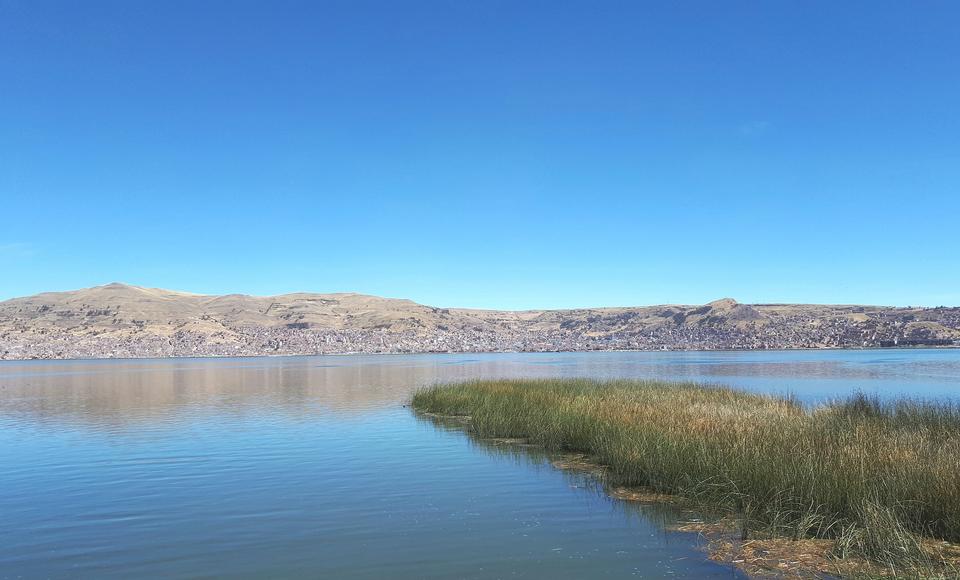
<point x="489" y="154"/>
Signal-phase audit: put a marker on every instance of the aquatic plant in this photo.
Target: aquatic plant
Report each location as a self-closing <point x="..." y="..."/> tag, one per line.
<point x="878" y="477"/>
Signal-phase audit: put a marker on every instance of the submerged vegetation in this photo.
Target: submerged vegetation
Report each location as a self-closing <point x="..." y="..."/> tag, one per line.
<point x="880" y="480"/>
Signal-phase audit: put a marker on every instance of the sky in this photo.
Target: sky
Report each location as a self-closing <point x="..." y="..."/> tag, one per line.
<point x="514" y="154"/>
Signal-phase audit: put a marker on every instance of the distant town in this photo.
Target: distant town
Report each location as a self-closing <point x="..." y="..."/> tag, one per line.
<point x="119" y="321"/>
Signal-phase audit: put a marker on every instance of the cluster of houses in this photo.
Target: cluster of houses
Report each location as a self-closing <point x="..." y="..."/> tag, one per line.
<point x="786" y="332"/>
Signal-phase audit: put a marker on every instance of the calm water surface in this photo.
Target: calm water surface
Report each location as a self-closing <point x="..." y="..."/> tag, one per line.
<point x="311" y="466"/>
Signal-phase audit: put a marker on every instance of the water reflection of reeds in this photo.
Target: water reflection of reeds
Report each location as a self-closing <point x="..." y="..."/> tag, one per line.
<point x="578" y="471"/>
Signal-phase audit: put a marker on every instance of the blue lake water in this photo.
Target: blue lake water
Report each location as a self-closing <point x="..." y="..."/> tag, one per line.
<point x="312" y="466"/>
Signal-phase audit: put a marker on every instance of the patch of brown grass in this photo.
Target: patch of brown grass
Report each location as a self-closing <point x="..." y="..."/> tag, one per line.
<point x="875" y="481"/>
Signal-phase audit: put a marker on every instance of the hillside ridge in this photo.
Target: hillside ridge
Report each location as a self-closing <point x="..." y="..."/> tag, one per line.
<point x="121" y="320"/>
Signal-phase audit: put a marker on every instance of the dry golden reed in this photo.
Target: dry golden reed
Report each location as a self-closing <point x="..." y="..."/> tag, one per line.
<point x="876" y="476"/>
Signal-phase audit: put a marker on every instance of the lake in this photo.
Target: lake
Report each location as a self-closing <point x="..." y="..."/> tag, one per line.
<point x="312" y="466"/>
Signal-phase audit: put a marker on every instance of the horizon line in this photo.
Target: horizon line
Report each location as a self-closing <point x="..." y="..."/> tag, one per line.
<point x="384" y="297"/>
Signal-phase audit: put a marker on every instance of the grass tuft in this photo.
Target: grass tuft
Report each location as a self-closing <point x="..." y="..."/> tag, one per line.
<point x="880" y="478"/>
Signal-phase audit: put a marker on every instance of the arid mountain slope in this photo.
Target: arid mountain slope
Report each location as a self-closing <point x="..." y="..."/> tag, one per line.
<point x="119" y="320"/>
<point x="118" y="306"/>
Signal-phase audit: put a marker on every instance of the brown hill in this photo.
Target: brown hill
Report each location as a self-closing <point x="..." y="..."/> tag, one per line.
<point x="123" y="320"/>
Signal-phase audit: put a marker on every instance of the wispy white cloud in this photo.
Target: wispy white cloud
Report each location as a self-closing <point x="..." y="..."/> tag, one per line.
<point x="17" y="250"/>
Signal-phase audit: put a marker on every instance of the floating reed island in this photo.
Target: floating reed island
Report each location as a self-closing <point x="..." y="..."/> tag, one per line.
<point x="873" y="481"/>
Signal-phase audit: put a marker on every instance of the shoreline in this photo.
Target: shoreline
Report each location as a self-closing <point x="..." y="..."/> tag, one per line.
<point x="490" y="352"/>
<point x="723" y="543"/>
<point x="764" y="518"/>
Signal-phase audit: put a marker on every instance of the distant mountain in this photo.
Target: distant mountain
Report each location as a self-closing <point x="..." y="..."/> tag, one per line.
<point x="119" y="320"/>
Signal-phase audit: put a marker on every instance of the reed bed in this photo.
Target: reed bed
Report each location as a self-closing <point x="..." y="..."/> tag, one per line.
<point x="880" y="478"/>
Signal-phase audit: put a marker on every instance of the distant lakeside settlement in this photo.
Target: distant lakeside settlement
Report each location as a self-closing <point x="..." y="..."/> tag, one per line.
<point x="122" y="321"/>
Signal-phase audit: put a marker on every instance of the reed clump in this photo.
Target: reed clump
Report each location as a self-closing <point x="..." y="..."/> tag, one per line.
<point x="881" y="478"/>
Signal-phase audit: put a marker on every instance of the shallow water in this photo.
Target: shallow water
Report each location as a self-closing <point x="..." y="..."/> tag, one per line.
<point x="311" y="466"/>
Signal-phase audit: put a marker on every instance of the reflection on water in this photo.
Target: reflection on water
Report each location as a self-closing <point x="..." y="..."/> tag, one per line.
<point x="578" y="475"/>
<point x="129" y="391"/>
<point x="310" y="466"/>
